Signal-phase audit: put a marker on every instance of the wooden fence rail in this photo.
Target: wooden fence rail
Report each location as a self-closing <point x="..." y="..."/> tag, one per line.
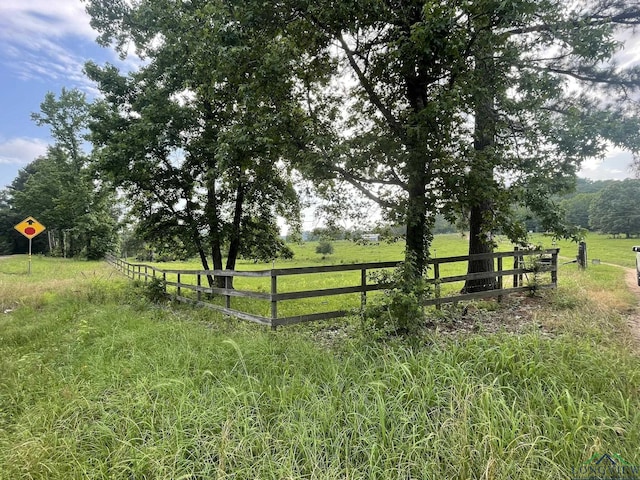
<point x="539" y="262"/>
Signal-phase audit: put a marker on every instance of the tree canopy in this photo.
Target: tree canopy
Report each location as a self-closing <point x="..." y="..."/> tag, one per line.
<point x="471" y="110"/>
<point x="615" y="209"/>
<point x="198" y="137"/>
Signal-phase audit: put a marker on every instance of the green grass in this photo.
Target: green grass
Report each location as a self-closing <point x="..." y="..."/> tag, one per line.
<point x="97" y="383"/>
<point x="602" y="247"/>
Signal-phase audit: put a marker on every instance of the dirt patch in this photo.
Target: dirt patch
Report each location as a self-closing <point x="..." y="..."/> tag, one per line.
<point x="515" y="314"/>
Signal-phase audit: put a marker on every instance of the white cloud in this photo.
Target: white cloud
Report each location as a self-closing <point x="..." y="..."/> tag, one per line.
<point x="24" y="19"/>
<point x="615" y="166"/>
<point x="43" y="39"/>
<point x="21" y="151"/>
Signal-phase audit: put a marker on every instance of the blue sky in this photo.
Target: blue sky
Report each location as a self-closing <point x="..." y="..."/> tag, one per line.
<point x="43" y="47"/>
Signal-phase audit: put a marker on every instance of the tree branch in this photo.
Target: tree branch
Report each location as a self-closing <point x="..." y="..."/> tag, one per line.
<point x="366" y="85"/>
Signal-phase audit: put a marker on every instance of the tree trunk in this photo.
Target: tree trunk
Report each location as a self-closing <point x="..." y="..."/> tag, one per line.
<point x="480" y="179"/>
<point x="213" y="222"/>
<point x="211" y="208"/>
<point x="234" y="243"/>
<point x="197" y="240"/>
<point x="480" y="242"/>
<point x="416" y="248"/>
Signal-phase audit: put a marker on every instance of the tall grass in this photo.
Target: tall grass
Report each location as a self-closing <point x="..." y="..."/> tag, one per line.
<point x="98" y="383"/>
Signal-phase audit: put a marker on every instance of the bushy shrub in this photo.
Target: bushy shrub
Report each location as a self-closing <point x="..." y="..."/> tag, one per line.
<point x="156" y="290"/>
<point x="324" y="248"/>
<point x="400" y="310"/>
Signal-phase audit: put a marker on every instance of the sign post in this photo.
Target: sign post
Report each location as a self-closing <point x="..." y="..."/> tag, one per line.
<point x="30" y="228"/>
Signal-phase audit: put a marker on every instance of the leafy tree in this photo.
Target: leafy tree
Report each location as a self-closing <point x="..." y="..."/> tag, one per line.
<point x="615" y="209"/>
<point x="577" y="209"/>
<point x="197" y="137"/>
<point x="58" y="188"/>
<point x="546" y="96"/>
<point x="66" y="117"/>
<point x="469" y="108"/>
<point x="585" y="185"/>
<point x="395" y="141"/>
<point x="10" y="240"/>
<point x="262" y="242"/>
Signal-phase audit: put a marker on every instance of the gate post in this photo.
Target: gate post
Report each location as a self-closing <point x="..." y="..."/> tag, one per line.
<point x="582" y="255"/>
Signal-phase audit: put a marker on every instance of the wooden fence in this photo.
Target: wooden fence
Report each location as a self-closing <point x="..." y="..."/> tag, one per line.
<point x="532" y="264"/>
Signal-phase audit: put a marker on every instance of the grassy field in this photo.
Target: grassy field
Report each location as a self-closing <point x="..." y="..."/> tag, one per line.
<point x="346" y="252"/>
<point x="96" y="382"/>
<point x="601" y="247"/>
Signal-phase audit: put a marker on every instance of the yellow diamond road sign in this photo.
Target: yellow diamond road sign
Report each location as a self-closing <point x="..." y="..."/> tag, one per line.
<point x="30" y="227"/>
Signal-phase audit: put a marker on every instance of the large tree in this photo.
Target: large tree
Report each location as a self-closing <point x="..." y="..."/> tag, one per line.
<point x="576" y="209"/>
<point x="546" y="95"/>
<point x="473" y="107"/>
<point x="197" y="137"/>
<point x="399" y="64"/>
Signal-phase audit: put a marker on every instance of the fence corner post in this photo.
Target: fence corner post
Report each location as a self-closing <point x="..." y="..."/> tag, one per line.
<point x="436" y="278"/>
<point x="582" y="255"/>
<point x="516" y="266"/>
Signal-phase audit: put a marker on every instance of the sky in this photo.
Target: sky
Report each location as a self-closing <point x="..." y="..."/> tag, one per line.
<point x="43" y="47"/>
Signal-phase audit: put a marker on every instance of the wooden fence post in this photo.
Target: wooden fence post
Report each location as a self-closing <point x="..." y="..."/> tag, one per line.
<point x="274" y="302"/>
<point x="582" y="255"/>
<point x="436" y="277"/>
<point x="363" y="284"/>
<point x="554" y="267"/>
<point x="179" y="290"/>
<point x="199" y="282"/>
<point x="227" y="300"/>
<point x="499" y="277"/>
<point x="516" y="266"/>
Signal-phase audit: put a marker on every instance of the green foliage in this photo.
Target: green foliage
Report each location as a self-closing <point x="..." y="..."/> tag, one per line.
<point x="400" y="310"/>
<point x="155" y="290"/>
<point x="59" y="189"/>
<point x="615" y="209"/>
<point x="200" y="138"/>
<point x="262" y="242"/>
<point x="534" y="264"/>
<point x="577" y="208"/>
<point x="324" y="247"/>
<point x="9" y="238"/>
